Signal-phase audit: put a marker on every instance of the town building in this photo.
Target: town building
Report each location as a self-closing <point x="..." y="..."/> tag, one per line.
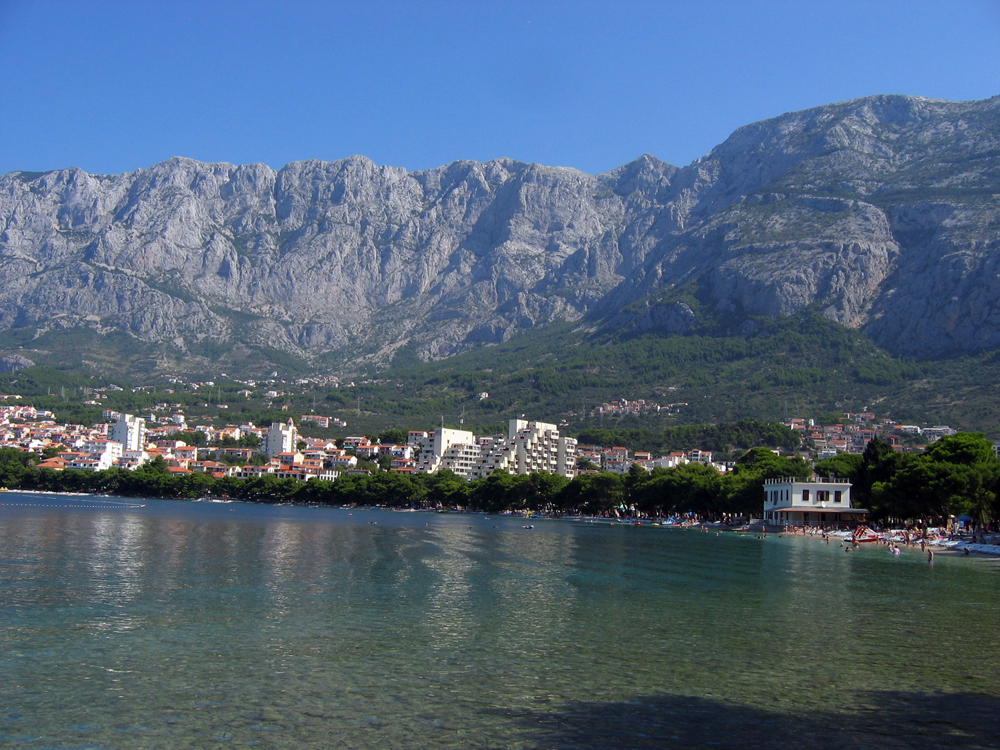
<point x="281" y="438"/>
<point x="449" y="449"/>
<point x="816" y="502"/>
<point x="130" y="431"/>
<point x="527" y="447"/>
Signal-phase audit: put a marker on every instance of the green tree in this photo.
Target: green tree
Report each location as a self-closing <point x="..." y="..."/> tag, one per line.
<point x="744" y="486"/>
<point x="189" y="437"/>
<point x="13" y="466"/>
<point x="445" y="488"/>
<point x="843" y="465"/>
<point x="956" y="475"/>
<point x="393" y="437"/>
<point x="593" y="494"/>
<point x="970" y="448"/>
<point x="494" y="493"/>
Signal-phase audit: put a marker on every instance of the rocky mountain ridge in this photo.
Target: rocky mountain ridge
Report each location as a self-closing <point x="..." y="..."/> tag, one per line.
<point x="883" y="211"/>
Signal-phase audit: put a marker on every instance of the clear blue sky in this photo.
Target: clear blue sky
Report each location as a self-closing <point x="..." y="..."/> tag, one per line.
<point x="114" y="86"/>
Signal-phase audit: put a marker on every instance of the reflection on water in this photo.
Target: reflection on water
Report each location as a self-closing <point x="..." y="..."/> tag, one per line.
<point x="186" y="625"/>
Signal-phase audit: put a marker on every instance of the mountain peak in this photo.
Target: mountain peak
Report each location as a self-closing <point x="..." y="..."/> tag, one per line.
<point x="876" y="210"/>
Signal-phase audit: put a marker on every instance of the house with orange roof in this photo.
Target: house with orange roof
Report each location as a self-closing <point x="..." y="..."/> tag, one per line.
<point x="212" y="467"/>
<point x="55" y="463"/>
<point x="343" y="461"/>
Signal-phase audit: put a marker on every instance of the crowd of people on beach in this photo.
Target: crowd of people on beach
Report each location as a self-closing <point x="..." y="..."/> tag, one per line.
<point x="894" y="540"/>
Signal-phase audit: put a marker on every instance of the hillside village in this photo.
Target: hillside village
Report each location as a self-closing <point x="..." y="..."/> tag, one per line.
<point x="246" y="450"/>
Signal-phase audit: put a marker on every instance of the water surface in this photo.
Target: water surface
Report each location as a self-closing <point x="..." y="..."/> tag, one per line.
<point x="159" y="624"/>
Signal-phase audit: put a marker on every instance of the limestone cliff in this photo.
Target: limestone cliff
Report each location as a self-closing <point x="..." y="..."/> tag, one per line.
<point x="882" y="210"/>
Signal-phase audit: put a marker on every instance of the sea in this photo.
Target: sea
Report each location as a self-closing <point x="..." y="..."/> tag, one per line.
<point x="140" y="623"/>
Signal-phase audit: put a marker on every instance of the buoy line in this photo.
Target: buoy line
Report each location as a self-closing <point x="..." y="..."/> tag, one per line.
<point x="124" y="506"/>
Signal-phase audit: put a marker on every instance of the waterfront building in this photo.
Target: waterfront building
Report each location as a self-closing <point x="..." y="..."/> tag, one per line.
<point x="449" y="449"/>
<point x="816" y="502"/>
<point x="526" y="447"/>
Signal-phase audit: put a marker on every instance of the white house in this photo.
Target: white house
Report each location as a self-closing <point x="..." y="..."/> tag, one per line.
<point x="819" y="502"/>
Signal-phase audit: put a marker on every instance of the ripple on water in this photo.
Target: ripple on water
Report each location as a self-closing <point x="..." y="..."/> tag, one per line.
<point x="174" y="624"/>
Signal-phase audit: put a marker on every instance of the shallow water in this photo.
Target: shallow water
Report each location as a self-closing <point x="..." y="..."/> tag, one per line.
<point x="186" y="625"/>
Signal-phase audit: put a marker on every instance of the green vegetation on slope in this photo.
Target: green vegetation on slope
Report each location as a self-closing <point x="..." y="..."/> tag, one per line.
<point x="803" y="365"/>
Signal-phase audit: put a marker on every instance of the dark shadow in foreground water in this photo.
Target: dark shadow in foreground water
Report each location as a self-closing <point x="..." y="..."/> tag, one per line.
<point x="884" y="720"/>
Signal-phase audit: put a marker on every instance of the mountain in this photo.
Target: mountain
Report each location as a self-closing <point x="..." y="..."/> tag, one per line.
<point x="881" y="211"/>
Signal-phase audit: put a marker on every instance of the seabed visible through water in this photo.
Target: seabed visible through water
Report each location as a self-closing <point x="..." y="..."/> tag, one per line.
<point x="159" y="624"/>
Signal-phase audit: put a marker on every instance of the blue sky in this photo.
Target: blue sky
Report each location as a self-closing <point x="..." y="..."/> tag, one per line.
<point x="115" y="86"/>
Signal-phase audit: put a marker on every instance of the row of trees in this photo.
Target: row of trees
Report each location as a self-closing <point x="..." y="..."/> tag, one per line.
<point x="955" y="476"/>
<point x="688" y="488"/>
<point x="958" y="475"/>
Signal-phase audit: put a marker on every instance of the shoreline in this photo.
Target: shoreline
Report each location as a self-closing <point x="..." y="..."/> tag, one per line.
<point x="50" y="492"/>
<point x="946" y="548"/>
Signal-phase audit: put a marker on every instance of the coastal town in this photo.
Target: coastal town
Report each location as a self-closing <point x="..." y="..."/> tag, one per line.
<point x="246" y="450"/>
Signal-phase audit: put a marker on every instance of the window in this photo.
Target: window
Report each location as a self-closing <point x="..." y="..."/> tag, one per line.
<point x="838" y="496"/>
<point x="805" y="496"/>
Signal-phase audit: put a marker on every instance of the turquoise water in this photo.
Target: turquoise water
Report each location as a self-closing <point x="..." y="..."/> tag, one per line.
<point x="184" y="625"/>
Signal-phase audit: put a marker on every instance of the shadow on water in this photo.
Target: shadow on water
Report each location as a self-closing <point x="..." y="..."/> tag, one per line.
<point x="884" y="720"/>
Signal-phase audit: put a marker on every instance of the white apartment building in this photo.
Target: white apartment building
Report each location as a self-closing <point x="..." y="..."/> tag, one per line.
<point x="130" y="432"/>
<point x="449" y="449"/>
<point x="112" y="448"/>
<point x="133" y="459"/>
<point x="527" y="447"/>
<point x="531" y="446"/>
<point x="100" y="455"/>
<point x="281" y="438"/>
